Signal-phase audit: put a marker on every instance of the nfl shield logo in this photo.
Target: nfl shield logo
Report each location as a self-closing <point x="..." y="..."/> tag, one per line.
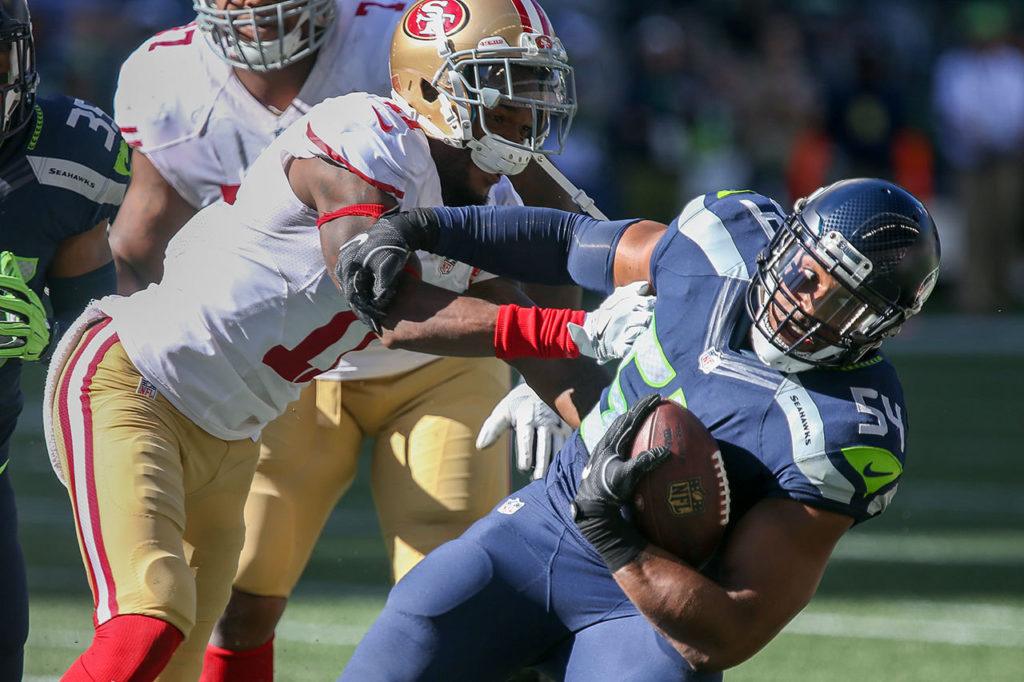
<point x="686" y="497"/>
<point x="511" y="506"/>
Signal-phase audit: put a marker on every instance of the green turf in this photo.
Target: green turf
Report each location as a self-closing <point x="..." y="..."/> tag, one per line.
<point x="933" y="590"/>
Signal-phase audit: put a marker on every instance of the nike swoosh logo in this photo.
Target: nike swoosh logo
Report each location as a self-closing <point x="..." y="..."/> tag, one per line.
<point x="355" y="241"/>
<point x="871" y="473"/>
<point x="386" y="127"/>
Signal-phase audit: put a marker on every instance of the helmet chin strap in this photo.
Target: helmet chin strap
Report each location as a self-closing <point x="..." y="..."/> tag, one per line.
<point x="774" y="357"/>
<point x="492" y="155"/>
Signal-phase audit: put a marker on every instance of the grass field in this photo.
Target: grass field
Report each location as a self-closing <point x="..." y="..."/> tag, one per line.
<point x="933" y="590"/>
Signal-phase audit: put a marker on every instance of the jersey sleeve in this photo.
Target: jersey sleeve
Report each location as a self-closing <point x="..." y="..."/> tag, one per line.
<point x="835" y="445"/>
<point x="77" y="152"/>
<point x="371" y="137"/>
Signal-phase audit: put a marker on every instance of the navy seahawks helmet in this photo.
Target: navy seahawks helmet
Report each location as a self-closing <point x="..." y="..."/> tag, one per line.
<point x="851" y="263"/>
<point x="18" y="76"/>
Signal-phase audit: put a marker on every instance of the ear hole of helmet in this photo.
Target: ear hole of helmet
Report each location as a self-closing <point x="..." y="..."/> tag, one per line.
<point x="428" y="91"/>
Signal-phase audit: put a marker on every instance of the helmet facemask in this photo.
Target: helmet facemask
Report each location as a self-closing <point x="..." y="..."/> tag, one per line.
<point x="298" y="27"/>
<point x="472" y="84"/>
<point x="18" y="79"/>
<point x="811" y="302"/>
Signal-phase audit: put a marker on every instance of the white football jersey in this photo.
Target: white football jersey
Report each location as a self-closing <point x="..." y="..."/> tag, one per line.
<point x="183" y="107"/>
<point x="246" y="312"/>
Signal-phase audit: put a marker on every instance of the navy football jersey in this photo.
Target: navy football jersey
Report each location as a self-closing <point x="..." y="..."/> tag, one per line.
<point x="66" y="172"/>
<point x="833" y="439"/>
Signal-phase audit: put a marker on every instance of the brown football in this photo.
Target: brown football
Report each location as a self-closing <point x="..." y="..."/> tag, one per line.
<point x="683" y="505"/>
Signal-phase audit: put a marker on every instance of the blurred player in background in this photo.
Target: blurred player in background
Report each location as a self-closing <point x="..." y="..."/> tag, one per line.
<point x="767" y="326"/>
<point x="175" y="382"/>
<point x="63" y="172"/>
<point x="228" y="85"/>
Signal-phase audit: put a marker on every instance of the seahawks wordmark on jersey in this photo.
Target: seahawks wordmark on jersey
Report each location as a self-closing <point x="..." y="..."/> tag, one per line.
<point x="63" y="174"/>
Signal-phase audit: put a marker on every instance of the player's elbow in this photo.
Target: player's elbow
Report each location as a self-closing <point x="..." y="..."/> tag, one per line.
<point x="717" y="656"/>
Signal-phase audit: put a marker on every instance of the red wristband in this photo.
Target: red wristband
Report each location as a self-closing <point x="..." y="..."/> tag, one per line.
<point x="535" y="332"/>
<point x="374" y="211"/>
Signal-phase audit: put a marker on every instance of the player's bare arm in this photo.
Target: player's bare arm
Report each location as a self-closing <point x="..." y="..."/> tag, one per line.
<point x="82" y="253"/>
<point x="82" y="270"/>
<point x="429" y="319"/>
<point x="336" y="195"/>
<point x="152" y="213"/>
<point x="771" y="567"/>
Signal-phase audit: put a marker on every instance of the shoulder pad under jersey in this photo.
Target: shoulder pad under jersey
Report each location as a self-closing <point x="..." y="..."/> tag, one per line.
<point x="373" y="137"/>
<point x="166" y="89"/>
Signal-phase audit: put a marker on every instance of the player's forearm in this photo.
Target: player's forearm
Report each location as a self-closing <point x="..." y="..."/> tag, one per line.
<point x="708" y="625"/>
<point x="132" y="277"/>
<point x="570" y="387"/>
<point x="427" y="319"/>
<point x="535" y="245"/>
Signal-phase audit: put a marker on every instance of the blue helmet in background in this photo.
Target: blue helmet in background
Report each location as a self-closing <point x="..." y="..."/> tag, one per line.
<point x="18" y="75"/>
<point x="852" y="262"/>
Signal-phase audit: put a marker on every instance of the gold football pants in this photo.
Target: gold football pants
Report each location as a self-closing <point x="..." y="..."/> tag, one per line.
<point x="429" y="482"/>
<point x="157" y="501"/>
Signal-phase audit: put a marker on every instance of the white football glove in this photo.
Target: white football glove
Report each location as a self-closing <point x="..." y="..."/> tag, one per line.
<point x="540" y="432"/>
<point x="609" y="332"/>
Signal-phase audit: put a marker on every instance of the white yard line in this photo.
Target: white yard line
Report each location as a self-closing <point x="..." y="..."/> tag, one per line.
<point x="931" y="630"/>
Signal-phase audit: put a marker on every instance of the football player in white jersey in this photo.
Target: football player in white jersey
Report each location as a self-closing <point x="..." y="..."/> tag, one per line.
<point x="155" y="401"/>
<point x="230" y="82"/>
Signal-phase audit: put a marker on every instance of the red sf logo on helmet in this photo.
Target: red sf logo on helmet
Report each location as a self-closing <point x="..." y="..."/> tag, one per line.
<point x="422" y="21"/>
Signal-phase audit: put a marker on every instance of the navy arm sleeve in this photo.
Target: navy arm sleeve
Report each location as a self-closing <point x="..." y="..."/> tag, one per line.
<point x="537" y="245"/>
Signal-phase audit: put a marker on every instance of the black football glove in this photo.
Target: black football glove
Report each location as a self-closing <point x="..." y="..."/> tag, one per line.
<point x="607" y="484"/>
<point x="369" y="265"/>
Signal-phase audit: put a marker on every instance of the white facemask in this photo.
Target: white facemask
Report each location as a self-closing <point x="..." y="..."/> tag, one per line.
<point x="274" y="51"/>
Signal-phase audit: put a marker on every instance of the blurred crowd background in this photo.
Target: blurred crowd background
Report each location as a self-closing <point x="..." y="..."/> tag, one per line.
<point x="682" y="97"/>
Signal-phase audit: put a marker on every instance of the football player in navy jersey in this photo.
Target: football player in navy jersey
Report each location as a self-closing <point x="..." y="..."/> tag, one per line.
<point x="63" y="172"/>
<point x="767" y="326"/>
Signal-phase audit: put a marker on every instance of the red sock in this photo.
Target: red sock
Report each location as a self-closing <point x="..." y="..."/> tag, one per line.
<point x="128" y="648"/>
<point x="250" y="665"/>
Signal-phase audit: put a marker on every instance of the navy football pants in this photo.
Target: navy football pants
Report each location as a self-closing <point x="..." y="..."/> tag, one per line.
<point x="515" y="590"/>
<point x="13" y="588"/>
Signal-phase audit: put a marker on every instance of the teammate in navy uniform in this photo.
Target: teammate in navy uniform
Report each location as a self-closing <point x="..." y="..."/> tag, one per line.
<point x="63" y="172"/>
<point x="767" y="327"/>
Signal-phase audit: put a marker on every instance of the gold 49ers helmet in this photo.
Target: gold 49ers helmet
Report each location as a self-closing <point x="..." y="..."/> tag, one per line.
<point x="458" y="61"/>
